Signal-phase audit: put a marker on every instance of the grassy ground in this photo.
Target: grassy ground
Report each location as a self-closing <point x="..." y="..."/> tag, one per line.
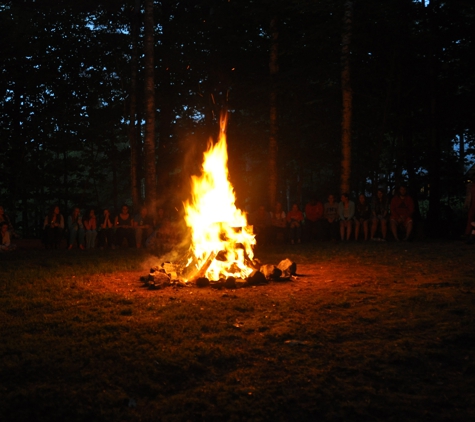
<point x="367" y="332"/>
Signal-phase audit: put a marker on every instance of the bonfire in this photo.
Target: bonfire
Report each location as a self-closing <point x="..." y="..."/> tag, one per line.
<point x="222" y="242"/>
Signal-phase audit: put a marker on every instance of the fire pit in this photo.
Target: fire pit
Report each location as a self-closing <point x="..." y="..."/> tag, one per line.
<point x="221" y="250"/>
<point x="170" y="274"/>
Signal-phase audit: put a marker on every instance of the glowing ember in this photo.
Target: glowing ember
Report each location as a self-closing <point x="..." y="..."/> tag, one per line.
<point x="222" y="242"/>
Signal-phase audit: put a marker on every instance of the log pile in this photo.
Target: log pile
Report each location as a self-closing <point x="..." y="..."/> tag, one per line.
<point x="170" y="274"/>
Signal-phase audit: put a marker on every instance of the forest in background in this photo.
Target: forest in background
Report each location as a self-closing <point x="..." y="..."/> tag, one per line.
<point x="67" y="82"/>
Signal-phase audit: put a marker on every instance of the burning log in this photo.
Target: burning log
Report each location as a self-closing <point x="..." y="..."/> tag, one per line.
<point x="257" y="279"/>
<point x="173" y="270"/>
<point x="166" y="275"/>
<point x="218" y="285"/>
<point x="288" y="268"/>
<point x="161" y="277"/>
<point x="271" y="272"/>
<point x="202" y="282"/>
<point x="209" y="260"/>
<point x="156" y="279"/>
<point x="241" y="283"/>
<point x="230" y="283"/>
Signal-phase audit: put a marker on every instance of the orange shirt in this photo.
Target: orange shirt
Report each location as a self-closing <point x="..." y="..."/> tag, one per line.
<point x="295" y="215"/>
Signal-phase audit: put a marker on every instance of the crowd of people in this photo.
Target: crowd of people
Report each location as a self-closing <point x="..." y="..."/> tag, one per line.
<point x="363" y="219"/>
<point x="89" y="231"/>
<point x="332" y="220"/>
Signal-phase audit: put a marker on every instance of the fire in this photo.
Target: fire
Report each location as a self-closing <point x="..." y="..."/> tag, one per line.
<point x="221" y="240"/>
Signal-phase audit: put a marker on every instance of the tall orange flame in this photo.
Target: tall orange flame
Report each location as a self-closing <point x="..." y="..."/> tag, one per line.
<point x="222" y="241"/>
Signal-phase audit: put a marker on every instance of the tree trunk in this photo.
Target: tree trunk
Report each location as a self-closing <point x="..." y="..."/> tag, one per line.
<point x="134" y="137"/>
<point x="166" y="100"/>
<point x="386" y="109"/>
<point x="434" y="150"/>
<point x="149" y="141"/>
<point x="114" y="162"/>
<point x="434" y="160"/>
<point x="347" y="97"/>
<point x="273" y="147"/>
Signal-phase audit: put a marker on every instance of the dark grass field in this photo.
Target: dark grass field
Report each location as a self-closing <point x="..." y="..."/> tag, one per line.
<point x="367" y="332"/>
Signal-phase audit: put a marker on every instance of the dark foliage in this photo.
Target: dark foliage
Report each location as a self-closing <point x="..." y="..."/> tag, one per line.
<point x="65" y="86"/>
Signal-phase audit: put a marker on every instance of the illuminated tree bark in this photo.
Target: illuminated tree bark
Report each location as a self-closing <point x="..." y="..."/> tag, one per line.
<point x="273" y="147"/>
<point x="347" y="97"/>
<point x="149" y="140"/>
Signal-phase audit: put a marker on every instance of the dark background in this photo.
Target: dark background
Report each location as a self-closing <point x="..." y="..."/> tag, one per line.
<point x="66" y="79"/>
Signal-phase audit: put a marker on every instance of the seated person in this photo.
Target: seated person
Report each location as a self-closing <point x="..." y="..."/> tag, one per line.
<point x="90" y="224"/>
<point x="124" y="228"/>
<point x="53" y="228"/>
<point x="380" y="210"/>
<point x="330" y="215"/>
<point x="143" y="226"/>
<point x="5" y="245"/>
<point x="314" y="219"/>
<point x="402" y="209"/>
<point x="278" y="222"/>
<point x="294" y="220"/>
<point x="4" y="218"/>
<point x="76" y="229"/>
<point x="106" y="230"/>
<point x="362" y="216"/>
<point x="346" y="212"/>
<point x="471" y="239"/>
<point x="261" y="222"/>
